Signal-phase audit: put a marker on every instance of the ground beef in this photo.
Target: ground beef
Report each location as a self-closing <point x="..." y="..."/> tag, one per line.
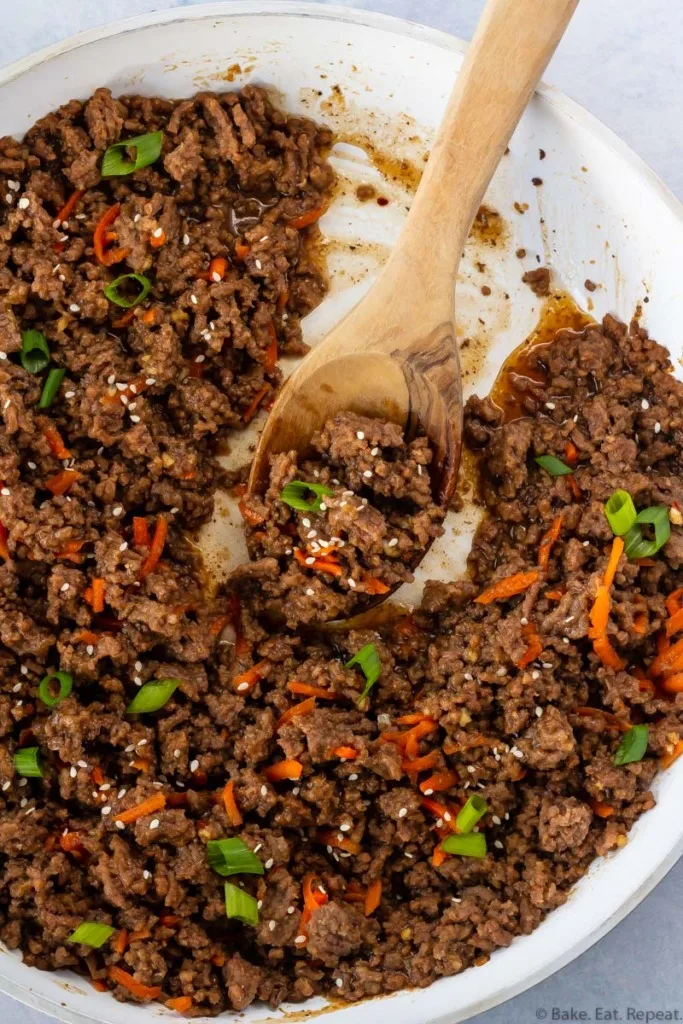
<point x="265" y="737"/>
<point x="371" y="521"/>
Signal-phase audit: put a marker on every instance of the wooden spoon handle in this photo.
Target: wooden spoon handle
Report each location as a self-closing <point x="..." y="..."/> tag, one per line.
<point x="511" y="48"/>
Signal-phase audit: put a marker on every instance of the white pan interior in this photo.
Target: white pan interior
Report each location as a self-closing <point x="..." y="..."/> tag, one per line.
<point x="600" y="214"/>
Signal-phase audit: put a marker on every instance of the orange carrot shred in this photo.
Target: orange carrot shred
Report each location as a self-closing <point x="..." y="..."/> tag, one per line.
<point x="613" y="562"/>
<point x="86" y="636"/>
<point x="103" y="236"/>
<point x="61" y="482"/>
<point x="120" y="942"/>
<point x="373" y="585"/>
<point x="313" y="896"/>
<point x="306" y="690"/>
<point x="577" y="493"/>
<point x="157" y="802"/>
<point x="69" y="206"/>
<point x="571" y="453"/>
<point x="252" y="408"/>
<point x="140" y="935"/>
<point x="123" y="320"/>
<point x="668" y="759"/>
<point x="157" y="240"/>
<point x="602" y="810"/>
<point x="446" y="814"/>
<point x="136" y="988"/>
<point x="607" y="655"/>
<point x="509" y="586"/>
<point x="555" y="595"/>
<point x="181" y="1004"/>
<point x="304" y="220"/>
<point x="534" y="645"/>
<point x="373" y="897"/>
<point x="304" y="708"/>
<point x="288" y="769"/>
<point x="331" y="837"/>
<point x="414" y="719"/>
<point x="4" y="549"/>
<point x="241" y="251"/>
<point x="156" y="547"/>
<point x="439" y="856"/>
<point x="97" y="595"/>
<point x="346" y="753"/>
<point x="141" y="537"/>
<point x="547" y="542"/>
<point x="246" y="681"/>
<point x="673" y="601"/>
<point x="675" y="623"/>
<point x="56" y="443"/>
<point x="230" y="804"/>
<point x="328" y="565"/>
<point x="422" y="764"/>
<point x="609" y="720"/>
<point x="672" y="684"/>
<point x="97" y="775"/>
<point x="599" y="613"/>
<point x="439" y="782"/>
<point x="98" y="985"/>
<point x="71" y="551"/>
<point x="640" y="621"/>
<point x="270" y="362"/>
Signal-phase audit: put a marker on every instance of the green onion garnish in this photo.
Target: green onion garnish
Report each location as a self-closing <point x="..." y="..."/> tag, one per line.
<point x="152" y="696"/>
<point x="27" y="763"/>
<point x="117" y="162"/>
<point x="621" y="513"/>
<point x="92" y="933"/>
<point x="50" y="388"/>
<point x="232" y="857"/>
<point x="633" y="745"/>
<point x="636" y="544"/>
<point x="552" y="465"/>
<point x="474" y="809"/>
<point x="113" y="294"/>
<point x="471" y="845"/>
<point x="368" y="659"/>
<point x="294" y="494"/>
<point x="35" y="355"/>
<point x="46" y="690"/>
<point x="240" y="905"/>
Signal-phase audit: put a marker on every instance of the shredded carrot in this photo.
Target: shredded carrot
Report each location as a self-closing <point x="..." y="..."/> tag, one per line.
<point x="422" y="764"/>
<point x="241" y="251"/>
<point x="149" y="317"/>
<point x="328" y="565"/>
<point x="252" y="408"/>
<point x="401" y="739"/>
<point x="373" y="897"/>
<point x="573" y="483"/>
<point x="673" y="684"/>
<point x="156" y="547"/>
<point x="97" y="775"/>
<point x="98" y="985"/>
<point x="675" y="623"/>
<point x="414" y="735"/>
<point x="169" y="920"/>
<point x="353" y="897"/>
<point x="216" y="272"/>
<point x="607" y="655"/>
<point x="555" y="595"/>
<point x="375" y="586"/>
<point x="4" y="549"/>
<point x="306" y="690"/>
<point x="439" y="782"/>
<point x="613" y="562"/>
<point x="508" y="587"/>
<point x="609" y="720"/>
<point x="123" y="321"/>
<point x="86" y="636"/>
<point x="304" y="708"/>
<point x="270" y="362"/>
<point x="313" y="896"/>
<point x="71" y="551"/>
<point x="602" y="810"/>
<point x="218" y="959"/>
<point x="445" y="814"/>
<point x="70" y="842"/>
<point x="103" y="236"/>
<point x="282" y="300"/>
<point x="668" y="759"/>
<point x="156" y="241"/>
<point x="599" y="613"/>
<point x="140" y="764"/>
<point x="414" y="719"/>
<point x="304" y="220"/>
<point x="288" y="769"/>
<point x="136" y="988"/>
<point x="54" y="439"/>
<point x="439" y="856"/>
<point x="534" y="645"/>
<point x="157" y="802"/>
<point x="331" y="837"/>
<point x="248" y="514"/>
<point x="141" y="537"/>
<point x="673" y="601"/>
<point x="141" y="935"/>
<point x="120" y="942"/>
<point x="571" y="453"/>
<point x="230" y="804"/>
<point x="640" y="621"/>
<point x="181" y="1004"/>
<point x="69" y="206"/>
<point x="96" y="599"/>
<point x="62" y="482"/>
<point x="246" y="681"/>
<point x="549" y="539"/>
<point x="346" y="753"/>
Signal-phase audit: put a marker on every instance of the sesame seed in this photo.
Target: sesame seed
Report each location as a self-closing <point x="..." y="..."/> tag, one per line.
<point x="194" y="765"/>
<point x="353" y="777"/>
<point x="72" y="772"/>
<point x="311" y="534"/>
<point x="300" y="939"/>
<point x="351" y="582"/>
<point x="146" y="874"/>
<point x="402" y="813"/>
<point x="296" y="790"/>
<point x="550" y="405"/>
<point x="137" y="680"/>
<point x="645" y="404"/>
<point x="215" y="276"/>
<point x="524" y="621"/>
<point x="200" y="359"/>
<point x="658" y="427"/>
<point x="120" y="795"/>
<point x="374" y="451"/>
<point x="309" y="591"/>
<point x="123" y="546"/>
<point x="9" y="198"/>
<point x="16" y="688"/>
<point x="141" y="743"/>
<point x="471" y="769"/>
<point x="23" y="203"/>
<point x="82" y="764"/>
<point x="118" y="511"/>
<point x="428" y="792"/>
<point x="89" y="649"/>
<point x="339" y="982"/>
<point x="23" y="802"/>
<point x="535" y="674"/>
<point x="193" y="300"/>
<point x="367" y="473"/>
<point x="157" y="233"/>
<point x="74" y="307"/>
<point x="497" y="843"/>
<point x="447" y="815"/>
<point x="130" y="748"/>
<point x="69" y="394"/>
<point x="6" y="786"/>
<point x="64" y="587"/>
<point x="154" y="823"/>
<point x="306" y="523"/>
<point x="31" y="465"/>
<point x="271" y="926"/>
<point x="106" y="810"/>
<point x="502" y="671"/>
<point x="586" y="543"/>
<point x="124" y="400"/>
<point x="565" y="639"/>
<point x="360" y="435"/>
<point x="135" y="419"/>
<point x="3" y="355"/>
<point x="174" y="510"/>
<point x="419" y="470"/>
<point x="269" y="863"/>
<point x="345" y="827"/>
<point x="137" y="217"/>
<point x="30" y="810"/>
<point x="5" y="491"/>
<point x="570" y="618"/>
<point x="538" y="712"/>
<point x="150" y="381"/>
<point x="119" y="824"/>
<point x="258" y="264"/>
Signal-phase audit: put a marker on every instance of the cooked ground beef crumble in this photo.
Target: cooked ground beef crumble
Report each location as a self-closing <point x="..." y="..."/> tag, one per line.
<point x="502" y="685"/>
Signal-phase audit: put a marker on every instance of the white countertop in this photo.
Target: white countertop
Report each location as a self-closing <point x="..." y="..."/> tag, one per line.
<point x="622" y="60"/>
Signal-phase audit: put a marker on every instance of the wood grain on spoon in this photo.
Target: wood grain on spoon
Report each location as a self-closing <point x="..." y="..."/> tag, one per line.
<point x="395" y="355"/>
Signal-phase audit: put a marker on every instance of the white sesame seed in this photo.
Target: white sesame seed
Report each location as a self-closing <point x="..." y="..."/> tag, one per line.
<point x="74" y="307"/>
<point x="524" y="621"/>
<point x="497" y="843"/>
<point x="269" y="863"/>
<point x="570" y="618"/>
<point x="550" y="405"/>
<point x="538" y="712"/>
<point x="123" y="546"/>
<point x="5" y="491"/>
<point x="535" y="674"/>
<point x="64" y="587"/>
<point x="82" y="764"/>
<point x="658" y="427"/>
<point x="176" y="753"/>
<point x="157" y="233"/>
<point x="121" y="793"/>
<point x="215" y="276"/>
<point x="352" y="777"/>
<point x="23" y="203"/>
<point x="402" y="813"/>
<point x="120" y="824"/>
<point x="345" y="827"/>
<point x="146" y="874"/>
<point x="428" y="792"/>
<point x="135" y="419"/>
<point x="471" y="769"/>
<point x="300" y="939"/>
<point x="138" y="666"/>
<point x="419" y="470"/>
<point x="141" y="743"/>
<point x="118" y="511"/>
<point x="447" y="816"/>
<point x="132" y="406"/>
<point x="31" y="465"/>
<point x="272" y="926"/>
<point x="194" y="765"/>
<point x="150" y="381"/>
<point x="16" y="688"/>
<point x="137" y="680"/>
<point x="258" y="264"/>
<point x="89" y="650"/>
<point x="6" y="786"/>
<point x="124" y="399"/>
<point x="154" y="823"/>
<point x="174" y="510"/>
<point x="351" y="582"/>
<point x="130" y="748"/>
<point x="23" y="802"/>
<point x="565" y="639"/>
<point x="645" y="404"/>
<point x="193" y="300"/>
<point x="586" y="543"/>
<point x="502" y="671"/>
<point x="309" y="592"/>
<point x="137" y="217"/>
<point x="9" y="198"/>
<point x="367" y="473"/>
<point x="200" y="359"/>
<point x="69" y="394"/>
<point x="3" y="355"/>
<point x="72" y="772"/>
<point x="30" y="811"/>
<point x="106" y="810"/>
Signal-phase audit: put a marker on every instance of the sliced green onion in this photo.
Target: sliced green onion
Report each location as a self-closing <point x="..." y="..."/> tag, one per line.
<point x="232" y="857"/>
<point x="474" y="809"/>
<point x="27" y="763"/>
<point x="35" y="355"/>
<point x="471" y="845"/>
<point x="553" y="466"/>
<point x="621" y="512"/>
<point x="633" y="745"/>
<point x="295" y="494"/>
<point x="368" y="660"/>
<point x="113" y="294"/>
<point x="92" y="933"/>
<point x="50" y="388"/>
<point x="152" y="696"/>
<point x="636" y="544"/>
<point x="240" y="905"/>
<point x="117" y="162"/>
<point x="46" y="692"/>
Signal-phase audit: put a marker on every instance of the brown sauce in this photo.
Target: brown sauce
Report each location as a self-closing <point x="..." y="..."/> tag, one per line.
<point x="523" y="370"/>
<point x="488" y="227"/>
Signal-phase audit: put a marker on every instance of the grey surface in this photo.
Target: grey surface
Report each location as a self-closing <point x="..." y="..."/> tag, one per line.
<point x="622" y="60"/>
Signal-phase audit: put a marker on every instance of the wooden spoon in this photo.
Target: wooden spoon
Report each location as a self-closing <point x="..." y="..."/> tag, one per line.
<point x="395" y="355"/>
